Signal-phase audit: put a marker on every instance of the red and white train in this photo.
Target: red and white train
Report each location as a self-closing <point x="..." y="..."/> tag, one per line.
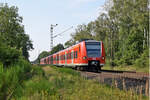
<point x="86" y="54"/>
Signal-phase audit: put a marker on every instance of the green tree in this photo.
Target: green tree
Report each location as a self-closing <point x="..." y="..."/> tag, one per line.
<point x="25" y="44"/>
<point x="12" y="31"/>
<point x="82" y="32"/>
<point x="57" y="48"/>
<point x="131" y="17"/>
<point x="69" y="43"/>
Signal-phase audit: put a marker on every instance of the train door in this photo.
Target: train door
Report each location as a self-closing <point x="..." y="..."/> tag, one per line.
<point x="72" y="56"/>
<point x="59" y="59"/>
<point x="65" y="58"/>
<point x="56" y="60"/>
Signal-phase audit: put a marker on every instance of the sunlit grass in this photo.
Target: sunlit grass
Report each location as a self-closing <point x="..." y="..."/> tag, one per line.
<point x="66" y="84"/>
<point x="127" y="68"/>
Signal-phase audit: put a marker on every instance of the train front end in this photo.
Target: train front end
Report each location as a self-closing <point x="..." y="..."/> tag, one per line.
<point x="94" y="54"/>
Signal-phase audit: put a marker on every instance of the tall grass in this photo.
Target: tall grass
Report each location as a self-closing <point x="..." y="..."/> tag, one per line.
<point x="11" y="78"/>
<point x="66" y="84"/>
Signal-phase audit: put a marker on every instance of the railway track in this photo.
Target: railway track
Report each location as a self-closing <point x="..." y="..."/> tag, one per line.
<point x="124" y="80"/>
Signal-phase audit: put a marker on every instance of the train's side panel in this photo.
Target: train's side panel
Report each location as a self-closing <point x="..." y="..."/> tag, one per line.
<point x="83" y="55"/>
<point x="61" y="61"/>
<point x="103" y="54"/>
<point x="54" y="59"/>
<point x="76" y="54"/>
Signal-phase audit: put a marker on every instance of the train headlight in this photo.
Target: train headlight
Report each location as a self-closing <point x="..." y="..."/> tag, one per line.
<point x="84" y="57"/>
<point x="103" y="58"/>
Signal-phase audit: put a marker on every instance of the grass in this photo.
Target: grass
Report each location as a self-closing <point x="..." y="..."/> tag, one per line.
<point x="66" y="84"/>
<point x="127" y="68"/>
<point x="11" y="79"/>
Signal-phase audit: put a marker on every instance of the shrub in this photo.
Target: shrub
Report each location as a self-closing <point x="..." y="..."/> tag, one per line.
<point x="143" y="61"/>
<point x="8" y="55"/>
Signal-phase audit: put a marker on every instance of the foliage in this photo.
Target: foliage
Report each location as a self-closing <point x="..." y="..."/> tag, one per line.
<point x="11" y="78"/>
<point x="36" y="70"/>
<point x="82" y="32"/>
<point x="8" y="55"/>
<point x="143" y="61"/>
<point x="57" y="48"/>
<point x="25" y="44"/>
<point x="12" y="31"/>
<point x="69" y="43"/>
<point x="41" y="55"/>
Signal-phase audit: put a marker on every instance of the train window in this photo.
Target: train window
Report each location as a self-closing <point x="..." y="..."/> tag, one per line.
<point x="74" y="54"/>
<point x="64" y="57"/>
<point x="58" y="57"/>
<point x="93" y="49"/>
<point x="48" y="60"/>
<point x="70" y="55"/>
<point x="67" y="55"/>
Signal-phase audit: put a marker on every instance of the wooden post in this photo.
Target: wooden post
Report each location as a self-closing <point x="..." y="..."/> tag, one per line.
<point x="116" y="84"/>
<point x="147" y="88"/>
<point x="123" y="83"/>
<point x="141" y="88"/>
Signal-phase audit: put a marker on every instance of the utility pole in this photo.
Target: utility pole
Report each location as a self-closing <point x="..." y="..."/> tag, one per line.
<point x="51" y="36"/>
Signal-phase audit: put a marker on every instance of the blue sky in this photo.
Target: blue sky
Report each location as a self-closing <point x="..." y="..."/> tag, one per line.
<point x="38" y="15"/>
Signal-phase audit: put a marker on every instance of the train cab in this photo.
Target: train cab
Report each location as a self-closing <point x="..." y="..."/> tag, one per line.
<point x="93" y="53"/>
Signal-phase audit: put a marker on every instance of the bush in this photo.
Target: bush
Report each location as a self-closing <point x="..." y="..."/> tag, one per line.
<point x="8" y="55"/>
<point x="143" y="61"/>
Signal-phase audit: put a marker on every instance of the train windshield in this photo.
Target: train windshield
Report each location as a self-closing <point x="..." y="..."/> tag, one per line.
<point x="93" y="49"/>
